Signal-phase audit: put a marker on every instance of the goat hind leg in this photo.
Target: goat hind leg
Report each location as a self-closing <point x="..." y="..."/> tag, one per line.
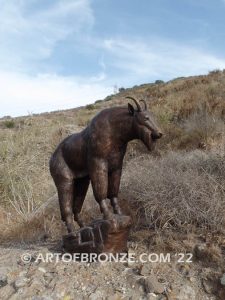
<point x="65" y="193"/>
<point x="80" y="191"/>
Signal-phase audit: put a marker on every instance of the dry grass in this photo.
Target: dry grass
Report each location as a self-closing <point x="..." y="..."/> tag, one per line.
<point x="25" y="182"/>
<point x="43" y="223"/>
<point x="180" y="189"/>
<point x="170" y="190"/>
<point x="201" y="129"/>
<point x="180" y="103"/>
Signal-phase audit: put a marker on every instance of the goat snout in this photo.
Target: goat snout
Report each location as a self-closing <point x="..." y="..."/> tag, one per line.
<point x="156" y="135"/>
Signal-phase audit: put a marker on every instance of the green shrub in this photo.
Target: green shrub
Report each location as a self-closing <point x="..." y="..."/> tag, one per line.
<point x="121" y="89"/>
<point x="215" y="72"/>
<point x="9" y="123"/>
<point x="98" y="101"/>
<point x="159" y="81"/>
<point x="108" y="98"/>
<point x="90" y="106"/>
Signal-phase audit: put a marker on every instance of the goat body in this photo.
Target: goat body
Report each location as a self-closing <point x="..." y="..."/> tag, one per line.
<point x="96" y="154"/>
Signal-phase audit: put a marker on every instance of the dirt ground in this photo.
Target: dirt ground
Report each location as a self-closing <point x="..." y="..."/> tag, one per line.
<point x="27" y="273"/>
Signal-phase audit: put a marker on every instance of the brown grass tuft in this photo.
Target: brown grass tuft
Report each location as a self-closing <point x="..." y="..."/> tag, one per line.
<point x="178" y="189"/>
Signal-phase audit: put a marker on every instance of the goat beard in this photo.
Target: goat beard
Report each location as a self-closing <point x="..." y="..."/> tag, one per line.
<point x="144" y="135"/>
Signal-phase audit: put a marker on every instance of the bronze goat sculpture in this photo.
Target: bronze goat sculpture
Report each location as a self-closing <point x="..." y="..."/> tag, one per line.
<point x="96" y="154"/>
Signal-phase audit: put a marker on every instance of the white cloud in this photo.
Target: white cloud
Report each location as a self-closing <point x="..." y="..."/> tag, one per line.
<point x="22" y="94"/>
<point x="160" y="58"/>
<point x="139" y="61"/>
<point x="29" y="35"/>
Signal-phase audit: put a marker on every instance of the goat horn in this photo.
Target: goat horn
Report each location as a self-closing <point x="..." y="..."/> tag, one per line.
<point x="145" y="104"/>
<point x="136" y="102"/>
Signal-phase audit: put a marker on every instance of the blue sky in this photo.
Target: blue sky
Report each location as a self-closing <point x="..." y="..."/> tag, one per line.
<point x="57" y="54"/>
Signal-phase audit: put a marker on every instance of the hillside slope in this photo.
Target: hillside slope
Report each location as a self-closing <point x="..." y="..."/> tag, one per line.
<point x="174" y="194"/>
<point x="191" y="112"/>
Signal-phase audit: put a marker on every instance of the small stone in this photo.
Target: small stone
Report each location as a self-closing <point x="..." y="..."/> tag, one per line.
<point x="152" y="285"/>
<point x="21" y="282"/>
<point x="145" y="270"/>
<point x="136" y="296"/>
<point x="114" y="297"/>
<point x="128" y="271"/>
<point x="3" y="280"/>
<point x="42" y="270"/>
<point x="6" y="292"/>
<point x="186" y="293"/>
<point x="151" y="296"/>
<point x="37" y="285"/>
<point x="210" y="281"/>
<point x="161" y="297"/>
<point x="184" y="269"/>
<point x="221" y="294"/>
<point x="90" y="288"/>
<point x="200" y="251"/>
<point x="60" y="269"/>
<point x="222" y="279"/>
<point x="208" y="286"/>
<point x="134" y="281"/>
<point x="97" y="295"/>
<point x="192" y="279"/>
<point x="23" y="273"/>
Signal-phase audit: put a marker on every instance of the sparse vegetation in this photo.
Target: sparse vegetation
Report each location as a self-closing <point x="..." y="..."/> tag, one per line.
<point x="178" y="190"/>
<point x="121" y="89"/>
<point x="159" y="81"/>
<point x="108" y="98"/>
<point x="98" y="101"/>
<point x="9" y="123"/>
<point x="172" y="190"/>
<point x="90" y="106"/>
<point x="200" y="128"/>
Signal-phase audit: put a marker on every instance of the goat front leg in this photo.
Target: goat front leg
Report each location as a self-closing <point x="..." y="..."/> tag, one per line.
<point x="113" y="190"/>
<point x="99" y="180"/>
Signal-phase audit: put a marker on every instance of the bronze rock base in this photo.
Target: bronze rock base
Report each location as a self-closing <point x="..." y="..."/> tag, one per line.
<point x="101" y="236"/>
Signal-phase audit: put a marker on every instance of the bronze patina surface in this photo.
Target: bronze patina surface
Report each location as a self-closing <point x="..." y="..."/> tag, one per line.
<point x="96" y="154"/>
<point x="101" y="236"/>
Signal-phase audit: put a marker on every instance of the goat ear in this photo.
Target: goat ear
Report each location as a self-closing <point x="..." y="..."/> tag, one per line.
<point x="131" y="109"/>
